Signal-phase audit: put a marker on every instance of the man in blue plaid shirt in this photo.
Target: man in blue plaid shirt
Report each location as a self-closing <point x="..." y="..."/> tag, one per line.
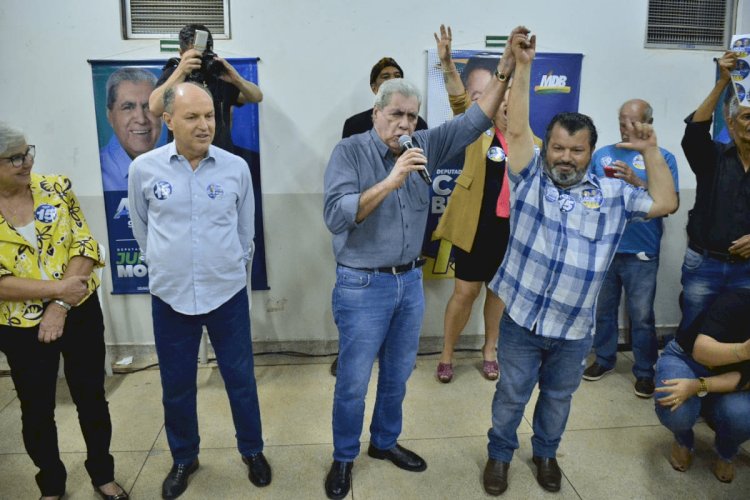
<point x="566" y="224"/>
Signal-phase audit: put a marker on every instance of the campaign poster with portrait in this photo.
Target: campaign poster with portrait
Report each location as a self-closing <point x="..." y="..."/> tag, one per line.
<point x="126" y="129"/>
<point x="555" y="87"/>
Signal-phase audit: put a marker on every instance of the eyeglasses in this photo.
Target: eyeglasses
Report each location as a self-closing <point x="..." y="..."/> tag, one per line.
<point x="18" y="160"/>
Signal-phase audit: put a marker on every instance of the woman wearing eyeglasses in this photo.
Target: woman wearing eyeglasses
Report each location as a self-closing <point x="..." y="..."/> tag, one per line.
<point x="48" y="306"/>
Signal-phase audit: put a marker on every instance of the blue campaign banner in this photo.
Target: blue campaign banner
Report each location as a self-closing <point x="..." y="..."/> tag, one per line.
<point x="555" y="87"/>
<point x="126" y="129"/>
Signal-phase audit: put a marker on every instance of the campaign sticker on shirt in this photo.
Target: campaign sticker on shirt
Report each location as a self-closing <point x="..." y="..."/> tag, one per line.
<point x="162" y="190"/>
<point x="592" y="198"/>
<point x="638" y="162"/>
<point x="550" y="193"/>
<point x="45" y="213"/>
<point x="215" y="191"/>
<point x="496" y="154"/>
<point x="605" y="161"/>
<point x="567" y="202"/>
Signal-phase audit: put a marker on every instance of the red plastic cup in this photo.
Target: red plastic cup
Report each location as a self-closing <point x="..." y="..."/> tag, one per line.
<point x="610" y="171"/>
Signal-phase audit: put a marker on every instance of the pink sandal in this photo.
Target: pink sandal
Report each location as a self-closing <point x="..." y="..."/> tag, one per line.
<point x="445" y="372"/>
<point x="490" y="369"/>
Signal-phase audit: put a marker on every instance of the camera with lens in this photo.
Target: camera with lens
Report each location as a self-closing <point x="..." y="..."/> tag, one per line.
<point x="210" y="68"/>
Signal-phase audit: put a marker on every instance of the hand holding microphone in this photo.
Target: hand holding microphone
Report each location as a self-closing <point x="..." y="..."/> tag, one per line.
<point x="406" y="145"/>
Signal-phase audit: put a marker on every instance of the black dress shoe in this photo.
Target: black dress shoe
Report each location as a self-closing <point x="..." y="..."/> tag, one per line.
<point x="258" y="470"/>
<point x="400" y="456"/>
<point x="339" y="480"/>
<point x="176" y="481"/>
<point x="119" y="496"/>
<point x="495" y="477"/>
<point x="548" y="473"/>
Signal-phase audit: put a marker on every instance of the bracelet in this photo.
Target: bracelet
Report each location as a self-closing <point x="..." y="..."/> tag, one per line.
<point x="62" y="304"/>
<point x="450" y="70"/>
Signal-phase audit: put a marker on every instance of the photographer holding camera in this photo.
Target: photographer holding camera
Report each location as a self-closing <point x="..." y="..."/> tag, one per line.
<point x="226" y="85"/>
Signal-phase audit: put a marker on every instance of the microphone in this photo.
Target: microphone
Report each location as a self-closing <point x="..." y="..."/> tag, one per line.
<point x="405" y="142"/>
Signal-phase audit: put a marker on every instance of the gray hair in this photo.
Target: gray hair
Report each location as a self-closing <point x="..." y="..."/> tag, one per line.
<point x="171" y="92"/>
<point x="129" y="74"/>
<point x="10" y="138"/>
<point x="396" y="86"/>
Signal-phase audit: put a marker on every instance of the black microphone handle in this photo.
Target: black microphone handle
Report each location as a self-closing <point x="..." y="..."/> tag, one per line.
<point x="425" y="175"/>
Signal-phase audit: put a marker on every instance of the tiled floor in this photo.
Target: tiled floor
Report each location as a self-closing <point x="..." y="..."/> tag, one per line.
<point x="613" y="447"/>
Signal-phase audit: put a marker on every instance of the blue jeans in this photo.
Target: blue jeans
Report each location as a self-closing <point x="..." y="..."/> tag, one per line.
<point x="638" y="277"/>
<point x="727" y="413"/>
<point x="177" y="337"/>
<point x="525" y="359"/>
<point x="378" y="316"/>
<point x="704" y="278"/>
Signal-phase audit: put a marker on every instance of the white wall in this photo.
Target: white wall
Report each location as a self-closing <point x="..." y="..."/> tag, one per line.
<point x="315" y="63"/>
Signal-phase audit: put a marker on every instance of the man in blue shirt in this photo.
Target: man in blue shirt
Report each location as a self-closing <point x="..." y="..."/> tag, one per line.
<point x="635" y="264"/>
<point x="565" y="227"/>
<point x="191" y="205"/>
<point x="375" y="204"/>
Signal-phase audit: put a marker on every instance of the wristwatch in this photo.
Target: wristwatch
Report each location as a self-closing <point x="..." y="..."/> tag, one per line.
<point x="702" y="387"/>
<point x="62" y="304"/>
<point x="501" y="76"/>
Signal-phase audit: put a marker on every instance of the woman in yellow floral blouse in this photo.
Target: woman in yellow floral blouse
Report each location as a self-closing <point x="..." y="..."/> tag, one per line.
<point x="48" y="306"/>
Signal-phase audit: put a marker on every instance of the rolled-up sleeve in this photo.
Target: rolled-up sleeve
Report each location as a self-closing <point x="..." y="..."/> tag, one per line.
<point x="341" y="189"/>
<point x="452" y="137"/>
<point x="637" y="202"/>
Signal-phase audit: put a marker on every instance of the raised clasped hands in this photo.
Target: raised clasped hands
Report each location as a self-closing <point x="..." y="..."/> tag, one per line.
<point x="522" y="47"/>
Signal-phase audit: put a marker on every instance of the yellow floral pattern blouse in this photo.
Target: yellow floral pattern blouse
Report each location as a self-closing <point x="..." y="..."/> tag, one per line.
<point x="61" y="234"/>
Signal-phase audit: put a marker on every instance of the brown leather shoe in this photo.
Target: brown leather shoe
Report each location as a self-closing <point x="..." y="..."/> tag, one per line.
<point x="681" y="457"/>
<point x="548" y="473"/>
<point x="495" y="479"/>
<point x="724" y="471"/>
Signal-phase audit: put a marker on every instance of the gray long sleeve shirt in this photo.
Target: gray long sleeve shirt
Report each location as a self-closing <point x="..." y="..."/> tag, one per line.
<point x="392" y="234"/>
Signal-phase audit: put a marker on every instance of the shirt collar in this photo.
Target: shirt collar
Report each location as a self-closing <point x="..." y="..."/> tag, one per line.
<point x="172" y="151"/>
<point x="382" y="147"/>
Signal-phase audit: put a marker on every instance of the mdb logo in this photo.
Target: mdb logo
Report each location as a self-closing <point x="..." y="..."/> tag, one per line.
<point x="552" y="84"/>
